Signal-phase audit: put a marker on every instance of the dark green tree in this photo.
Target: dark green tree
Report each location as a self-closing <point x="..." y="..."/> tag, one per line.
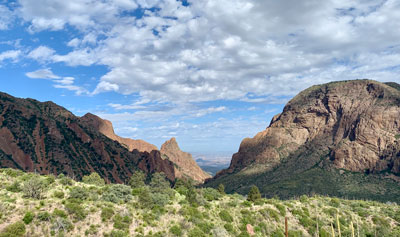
<point x="221" y="189"/>
<point x="137" y="179"/>
<point x="254" y="194"/>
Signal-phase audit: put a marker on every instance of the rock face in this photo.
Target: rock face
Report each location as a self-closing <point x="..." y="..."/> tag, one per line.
<point x="49" y="139"/>
<point x="185" y="165"/>
<point x="106" y="128"/>
<point x="351" y="125"/>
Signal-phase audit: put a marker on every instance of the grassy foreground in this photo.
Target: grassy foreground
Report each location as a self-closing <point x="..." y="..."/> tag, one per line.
<point x="33" y="205"/>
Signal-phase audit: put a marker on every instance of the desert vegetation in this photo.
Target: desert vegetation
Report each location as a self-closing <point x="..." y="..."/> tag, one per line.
<point x="34" y="205"/>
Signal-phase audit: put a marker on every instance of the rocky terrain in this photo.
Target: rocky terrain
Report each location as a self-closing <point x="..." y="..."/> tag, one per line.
<point x="185" y="164"/>
<point x="46" y="138"/>
<point x="333" y="136"/>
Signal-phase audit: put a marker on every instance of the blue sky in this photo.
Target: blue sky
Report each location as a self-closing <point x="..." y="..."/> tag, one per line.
<point x="208" y="72"/>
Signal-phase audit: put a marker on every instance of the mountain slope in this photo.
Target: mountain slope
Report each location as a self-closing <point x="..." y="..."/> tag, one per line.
<point x="339" y="139"/>
<point x="185" y="164"/>
<point x="46" y="138"/>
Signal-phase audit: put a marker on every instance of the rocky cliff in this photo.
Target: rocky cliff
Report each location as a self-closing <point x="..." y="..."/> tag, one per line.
<point x="46" y="138"/>
<point x="351" y="126"/>
<point x="185" y="164"/>
<point x="106" y="128"/>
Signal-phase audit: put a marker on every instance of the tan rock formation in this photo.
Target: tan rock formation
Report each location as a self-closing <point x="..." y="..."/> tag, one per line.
<point x="106" y="128"/>
<point x="359" y="121"/>
<point x="185" y="165"/>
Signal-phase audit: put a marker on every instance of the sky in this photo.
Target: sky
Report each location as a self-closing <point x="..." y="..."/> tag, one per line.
<point x="208" y="72"/>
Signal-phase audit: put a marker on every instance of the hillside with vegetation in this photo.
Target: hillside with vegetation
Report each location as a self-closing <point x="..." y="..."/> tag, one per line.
<point x="337" y="139"/>
<point x="34" y="205"/>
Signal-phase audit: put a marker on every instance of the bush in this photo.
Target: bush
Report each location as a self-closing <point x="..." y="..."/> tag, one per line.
<point x="59" y="194"/>
<point x="28" y="218"/>
<point x="14" y="230"/>
<point x="43" y="216"/>
<point x="33" y="187"/>
<point x="93" y="178"/>
<point x="59" y="213"/>
<point x="196" y="232"/>
<point x="60" y="224"/>
<point x="79" y="193"/>
<point x="122" y="222"/>
<point x="159" y="199"/>
<point x="64" y="180"/>
<point x="76" y="210"/>
<point x="107" y="213"/>
<point x="117" y="193"/>
<point x="159" y="183"/>
<point x="211" y="194"/>
<point x="254" y="194"/>
<point x="137" y="179"/>
<point x="176" y="230"/>
<point x="221" y="189"/>
<point x="117" y="233"/>
<point x="225" y="216"/>
<point x="15" y="187"/>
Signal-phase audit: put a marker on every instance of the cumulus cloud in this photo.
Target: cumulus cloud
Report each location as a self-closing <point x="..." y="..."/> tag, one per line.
<point x="6" y="18"/>
<point x="59" y="82"/>
<point x="10" y="55"/>
<point x="42" y="53"/>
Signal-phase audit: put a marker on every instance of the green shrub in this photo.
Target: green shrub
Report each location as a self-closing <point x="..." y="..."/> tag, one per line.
<point x="14" y="230"/>
<point x="12" y="172"/>
<point x="59" y="194"/>
<point x="268" y="212"/>
<point x="221" y="189"/>
<point x="15" y="187"/>
<point x="160" y="199"/>
<point x="33" y="187"/>
<point x="49" y="179"/>
<point x="117" y="233"/>
<point x="93" y="178"/>
<point x="176" y="230"/>
<point x="281" y="208"/>
<point x="211" y="194"/>
<point x="107" y="213"/>
<point x="28" y="217"/>
<point x="117" y="193"/>
<point x="335" y="202"/>
<point x="254" y="194"/>
<point x="61" y="225"/>
<point x="59" y="213"/>
<point x="229" y="227"/>
<point x="196" y="232"/>
<point x="76" y="210"/>
<point x="43" y="216"/>
<point x="225" y="216"/>
<point x="64" y="180"/>
<point x="122" y="222"/>
<point x="80" y="193"/>
<point x="303" y="198"/>
<point x="137" y="179"/>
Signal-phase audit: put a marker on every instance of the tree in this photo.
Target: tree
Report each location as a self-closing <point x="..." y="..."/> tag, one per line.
<point x="159" y="183"/>
<point x="94" y="178"/>
<point x="254" y="194"/>
<point x="137" y="179"/>
<point x="33" y="187"/>
<point x="221" y="189"/>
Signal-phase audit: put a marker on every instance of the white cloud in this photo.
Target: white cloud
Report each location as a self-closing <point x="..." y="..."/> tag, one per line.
<point x="6" y="18"/>
<point x="42" y="74"/>
<point x="10" y="55"/>
<point x="59" y="82"/>
<point x="255" y="51"/>
<point x="42" y="53"/>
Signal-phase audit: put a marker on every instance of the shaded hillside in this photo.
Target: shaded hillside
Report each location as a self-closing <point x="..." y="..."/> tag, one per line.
<point x="340" y="138"/>
<point x="46" y="138"/>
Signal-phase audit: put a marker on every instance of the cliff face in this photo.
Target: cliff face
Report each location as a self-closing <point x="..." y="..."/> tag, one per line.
<point x="185" y="165"/>
<point x="350" y="126"/>
<point x="358" y="120"/>
<point x="49" y="139"/>
<point x="106" y="128"/>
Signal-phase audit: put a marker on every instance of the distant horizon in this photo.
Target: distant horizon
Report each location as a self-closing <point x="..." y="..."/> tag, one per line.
<point x="209" y="73"/>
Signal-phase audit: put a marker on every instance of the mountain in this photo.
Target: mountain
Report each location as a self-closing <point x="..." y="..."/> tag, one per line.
<point x="106" y="128"/>
<point x="47" y="138"/>
<point x="340" y="138"/>
<point x="185" y="164"/>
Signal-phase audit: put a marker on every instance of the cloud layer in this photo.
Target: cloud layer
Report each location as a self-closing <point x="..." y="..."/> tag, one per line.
<point x="231" y="50"/>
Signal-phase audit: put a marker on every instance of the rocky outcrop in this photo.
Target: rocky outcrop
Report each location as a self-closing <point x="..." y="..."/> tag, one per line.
<point x="46" y="138"/>
<point x="106" y="128"/>
<point x="185" y="165"/>
<point x="359" y="121"/>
